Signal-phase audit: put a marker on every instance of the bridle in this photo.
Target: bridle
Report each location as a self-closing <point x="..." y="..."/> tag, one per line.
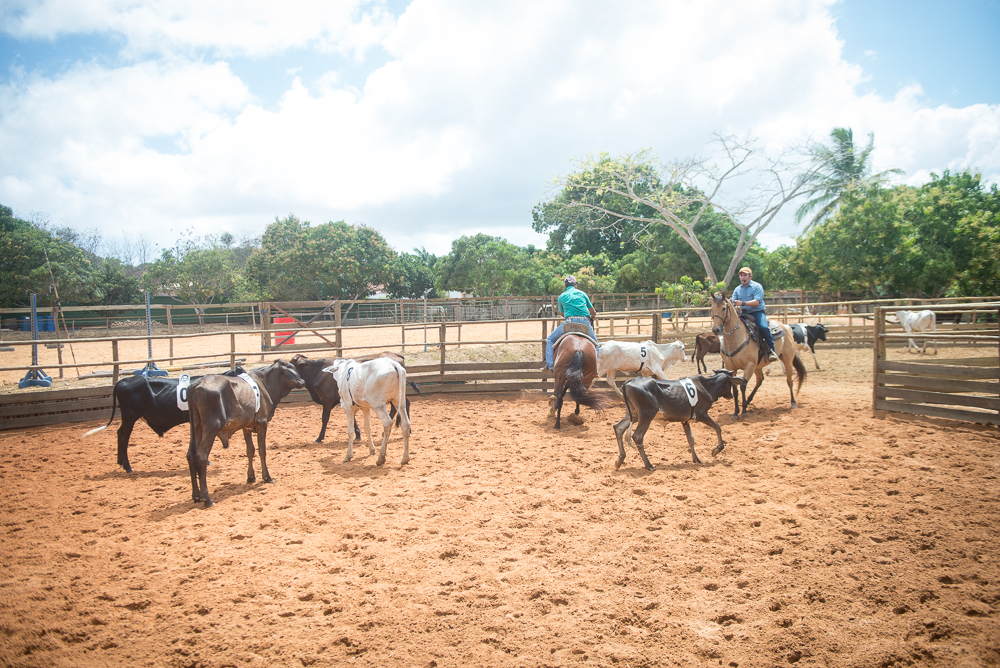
<point x="722" y="348"/>
<point x="725" y="319"/>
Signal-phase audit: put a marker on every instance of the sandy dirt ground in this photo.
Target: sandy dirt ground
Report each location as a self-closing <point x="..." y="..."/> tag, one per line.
<point x="821" y="536"/>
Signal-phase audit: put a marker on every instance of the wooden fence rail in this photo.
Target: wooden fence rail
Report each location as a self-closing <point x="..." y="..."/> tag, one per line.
<point x="966" y="389"/>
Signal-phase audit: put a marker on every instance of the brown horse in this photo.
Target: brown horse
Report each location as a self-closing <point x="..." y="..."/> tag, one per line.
<point x="575" y="368"/>
<point x="739" y="350"/>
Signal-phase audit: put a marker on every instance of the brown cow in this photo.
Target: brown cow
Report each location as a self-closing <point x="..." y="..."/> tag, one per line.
<point x="221" y="405"/>
<point x="704" y="344"/>
<point x="323" y="386"/>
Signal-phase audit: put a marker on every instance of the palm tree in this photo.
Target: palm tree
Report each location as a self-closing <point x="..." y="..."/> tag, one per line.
<point x="841" y="167"/>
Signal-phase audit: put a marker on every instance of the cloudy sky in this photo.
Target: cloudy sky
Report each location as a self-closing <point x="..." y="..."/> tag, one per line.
<point x="432" y="119"/>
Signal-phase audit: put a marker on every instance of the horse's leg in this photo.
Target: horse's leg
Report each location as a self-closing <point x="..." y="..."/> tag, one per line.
<point x="560" y="390"/>
<point x="248" y="437"/>
<point x="759" y="376"/>
<point x="690" y="436"/>
<point x="788" y="375"/>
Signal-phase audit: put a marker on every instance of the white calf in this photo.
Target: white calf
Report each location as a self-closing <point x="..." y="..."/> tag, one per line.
<point x="650" y="359"/>
<point x="918" y="321"/>
<point x="369" y="386"/>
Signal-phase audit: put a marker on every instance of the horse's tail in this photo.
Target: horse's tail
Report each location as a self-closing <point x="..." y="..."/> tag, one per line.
<point x="114" y="403"/>
<point x="800" y="372"/>
<point x="577" y="390"/>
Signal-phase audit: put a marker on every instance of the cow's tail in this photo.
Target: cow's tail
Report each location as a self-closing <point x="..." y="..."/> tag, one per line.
<point x="401" y="376"/>
<point x="114" y="403"/>
<point x="577" y="390"/>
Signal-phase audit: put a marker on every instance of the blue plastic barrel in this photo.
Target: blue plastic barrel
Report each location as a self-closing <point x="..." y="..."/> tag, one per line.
<point x="25" y="323"/>
<point x="50" y="324"/>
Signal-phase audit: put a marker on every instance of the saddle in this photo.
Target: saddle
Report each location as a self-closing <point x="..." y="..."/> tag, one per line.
<point x="776" y="333"/>
<point x="575" y="329"/>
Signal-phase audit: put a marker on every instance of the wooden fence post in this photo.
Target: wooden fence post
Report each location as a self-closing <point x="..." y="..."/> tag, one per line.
<point x="545" y="335"/>
<point x="170" y="324"/>
<point x="657" y="326"/>
<point x="232" y="350"/>
<point x="879" y="350"/>
<point x="443" y="336"/>
<point x="337" y="323"/>
<point x="114" y="357"/>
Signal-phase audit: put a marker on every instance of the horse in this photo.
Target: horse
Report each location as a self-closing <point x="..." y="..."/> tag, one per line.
<point x="740" y="351"/>
<point x="575" y="368"/>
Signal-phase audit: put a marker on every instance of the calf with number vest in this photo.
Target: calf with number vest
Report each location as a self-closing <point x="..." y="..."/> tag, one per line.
<point x="222" y="405"/>
<point x="161" y="402"/>
<point x="679" y="401"/>
<point x="648" y="358"/>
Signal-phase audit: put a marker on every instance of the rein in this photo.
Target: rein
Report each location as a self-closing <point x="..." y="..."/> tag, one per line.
<point x="730" y="333"/>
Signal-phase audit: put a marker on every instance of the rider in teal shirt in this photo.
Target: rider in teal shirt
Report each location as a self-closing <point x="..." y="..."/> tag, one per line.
<point x="575" y="305"/>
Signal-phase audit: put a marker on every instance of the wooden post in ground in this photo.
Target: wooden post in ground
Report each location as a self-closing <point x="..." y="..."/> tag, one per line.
<point x="545" y="335"/>
<point x="171" y="360"/>
<point x="55" y="320"/>
<point x="265" y="325"/>
<point x="443" y="336"/>
<point x="657" y="327"/>
<point x="879" y="350"/>
<point x="114" y="357"/>
<point x="337" y="323"/>
<point x="232" y="350"/>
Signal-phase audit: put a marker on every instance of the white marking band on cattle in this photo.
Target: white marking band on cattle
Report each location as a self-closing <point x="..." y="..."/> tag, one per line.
<point x="689" y="390"/>
<point x="254" y="387"/>
<point x="182" y="391"/>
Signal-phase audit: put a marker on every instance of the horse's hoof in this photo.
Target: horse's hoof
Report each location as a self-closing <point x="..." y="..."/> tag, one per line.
<point x="736" y="416"/>
<point x="717" y="450"/>
<point x="380" y="461"/>
<point x="268" y="479"/>
<point x="406" y="460"/>
<point x="251" y="479"/>
<point x="128" y="469"/>
<point x="318" y="440"/>
<point x="346" y="459"/>
<point x="209" y="503"/>
<point x="648" y="467"/>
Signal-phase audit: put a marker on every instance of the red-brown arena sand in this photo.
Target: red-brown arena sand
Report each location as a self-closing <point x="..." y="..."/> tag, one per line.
<point x="821" y="536"/>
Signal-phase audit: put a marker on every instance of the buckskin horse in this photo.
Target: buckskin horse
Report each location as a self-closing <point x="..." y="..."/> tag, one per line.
<point x="575" y="368"/>
<point x="740" y="351"/>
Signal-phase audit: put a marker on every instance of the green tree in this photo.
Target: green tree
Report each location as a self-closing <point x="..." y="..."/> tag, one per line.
<point x="684" y="296"/>
<point x="333" y="260"/>
<point x="867" y="246"/>
<point x="413" y="279"/>
<point x="489" y="267"/>
<point x="201" y="276"/>
<point x="635" y="193"/>
<point x="23" y="267"/>
<point x="115" y="286"/>
<point x="839" y="167"/>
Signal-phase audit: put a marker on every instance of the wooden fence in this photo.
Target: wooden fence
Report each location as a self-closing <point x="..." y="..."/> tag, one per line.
<point x="966" y="389"/>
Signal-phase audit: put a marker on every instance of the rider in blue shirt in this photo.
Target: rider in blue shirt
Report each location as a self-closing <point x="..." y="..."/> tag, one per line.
<point x="575" y="305"/>
<point x="750" y="295"/>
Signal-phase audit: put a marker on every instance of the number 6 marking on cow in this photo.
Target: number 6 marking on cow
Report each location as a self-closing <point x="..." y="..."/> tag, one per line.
<point x="690" y="391"/>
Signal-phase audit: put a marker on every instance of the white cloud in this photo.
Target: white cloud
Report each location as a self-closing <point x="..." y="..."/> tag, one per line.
<point x="478" y="106"/>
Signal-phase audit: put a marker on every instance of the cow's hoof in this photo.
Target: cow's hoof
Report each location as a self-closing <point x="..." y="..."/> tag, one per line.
<point x="717" y="450"/>
<point x="209" y="503"/>
<point x="128" y="469"/>
<point x="268" y="479"/>
<point x="649" y="467"/>
<point x="618" y="464"/>
<point x="405" y="461"/>
<point x="225" y="446"/>
<point x="346" y="459"/>
<point x="318" y="440"/>
<point x="380" y="462"/>
<point x="736" y="416"/>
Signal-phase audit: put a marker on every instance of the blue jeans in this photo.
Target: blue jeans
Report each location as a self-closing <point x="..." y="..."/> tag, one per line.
<point x="760" y="317"/>
<point x="550" y="342"/>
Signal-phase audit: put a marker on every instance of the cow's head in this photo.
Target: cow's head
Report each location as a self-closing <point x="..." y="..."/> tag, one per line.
<point x="288" y="375"/>
<point x="734" y="381"/>
<point x="298" y="360"/>
<point x="820" y="331"/>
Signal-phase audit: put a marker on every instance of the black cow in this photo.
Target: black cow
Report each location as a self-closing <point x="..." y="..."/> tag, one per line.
<point x="153" y="400"/>
<point x="645" y="397"/>
<point x="806" y="336"/>
<point x="323" y="387"/>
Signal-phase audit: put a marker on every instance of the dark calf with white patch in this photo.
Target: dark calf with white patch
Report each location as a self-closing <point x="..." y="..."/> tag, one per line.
<point x="323" y="387"/>
<point x="645" y="397"/>
<point x="153" y="400"/>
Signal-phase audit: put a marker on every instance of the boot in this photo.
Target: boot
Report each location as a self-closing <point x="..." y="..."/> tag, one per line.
<point x="771" y="357"/>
